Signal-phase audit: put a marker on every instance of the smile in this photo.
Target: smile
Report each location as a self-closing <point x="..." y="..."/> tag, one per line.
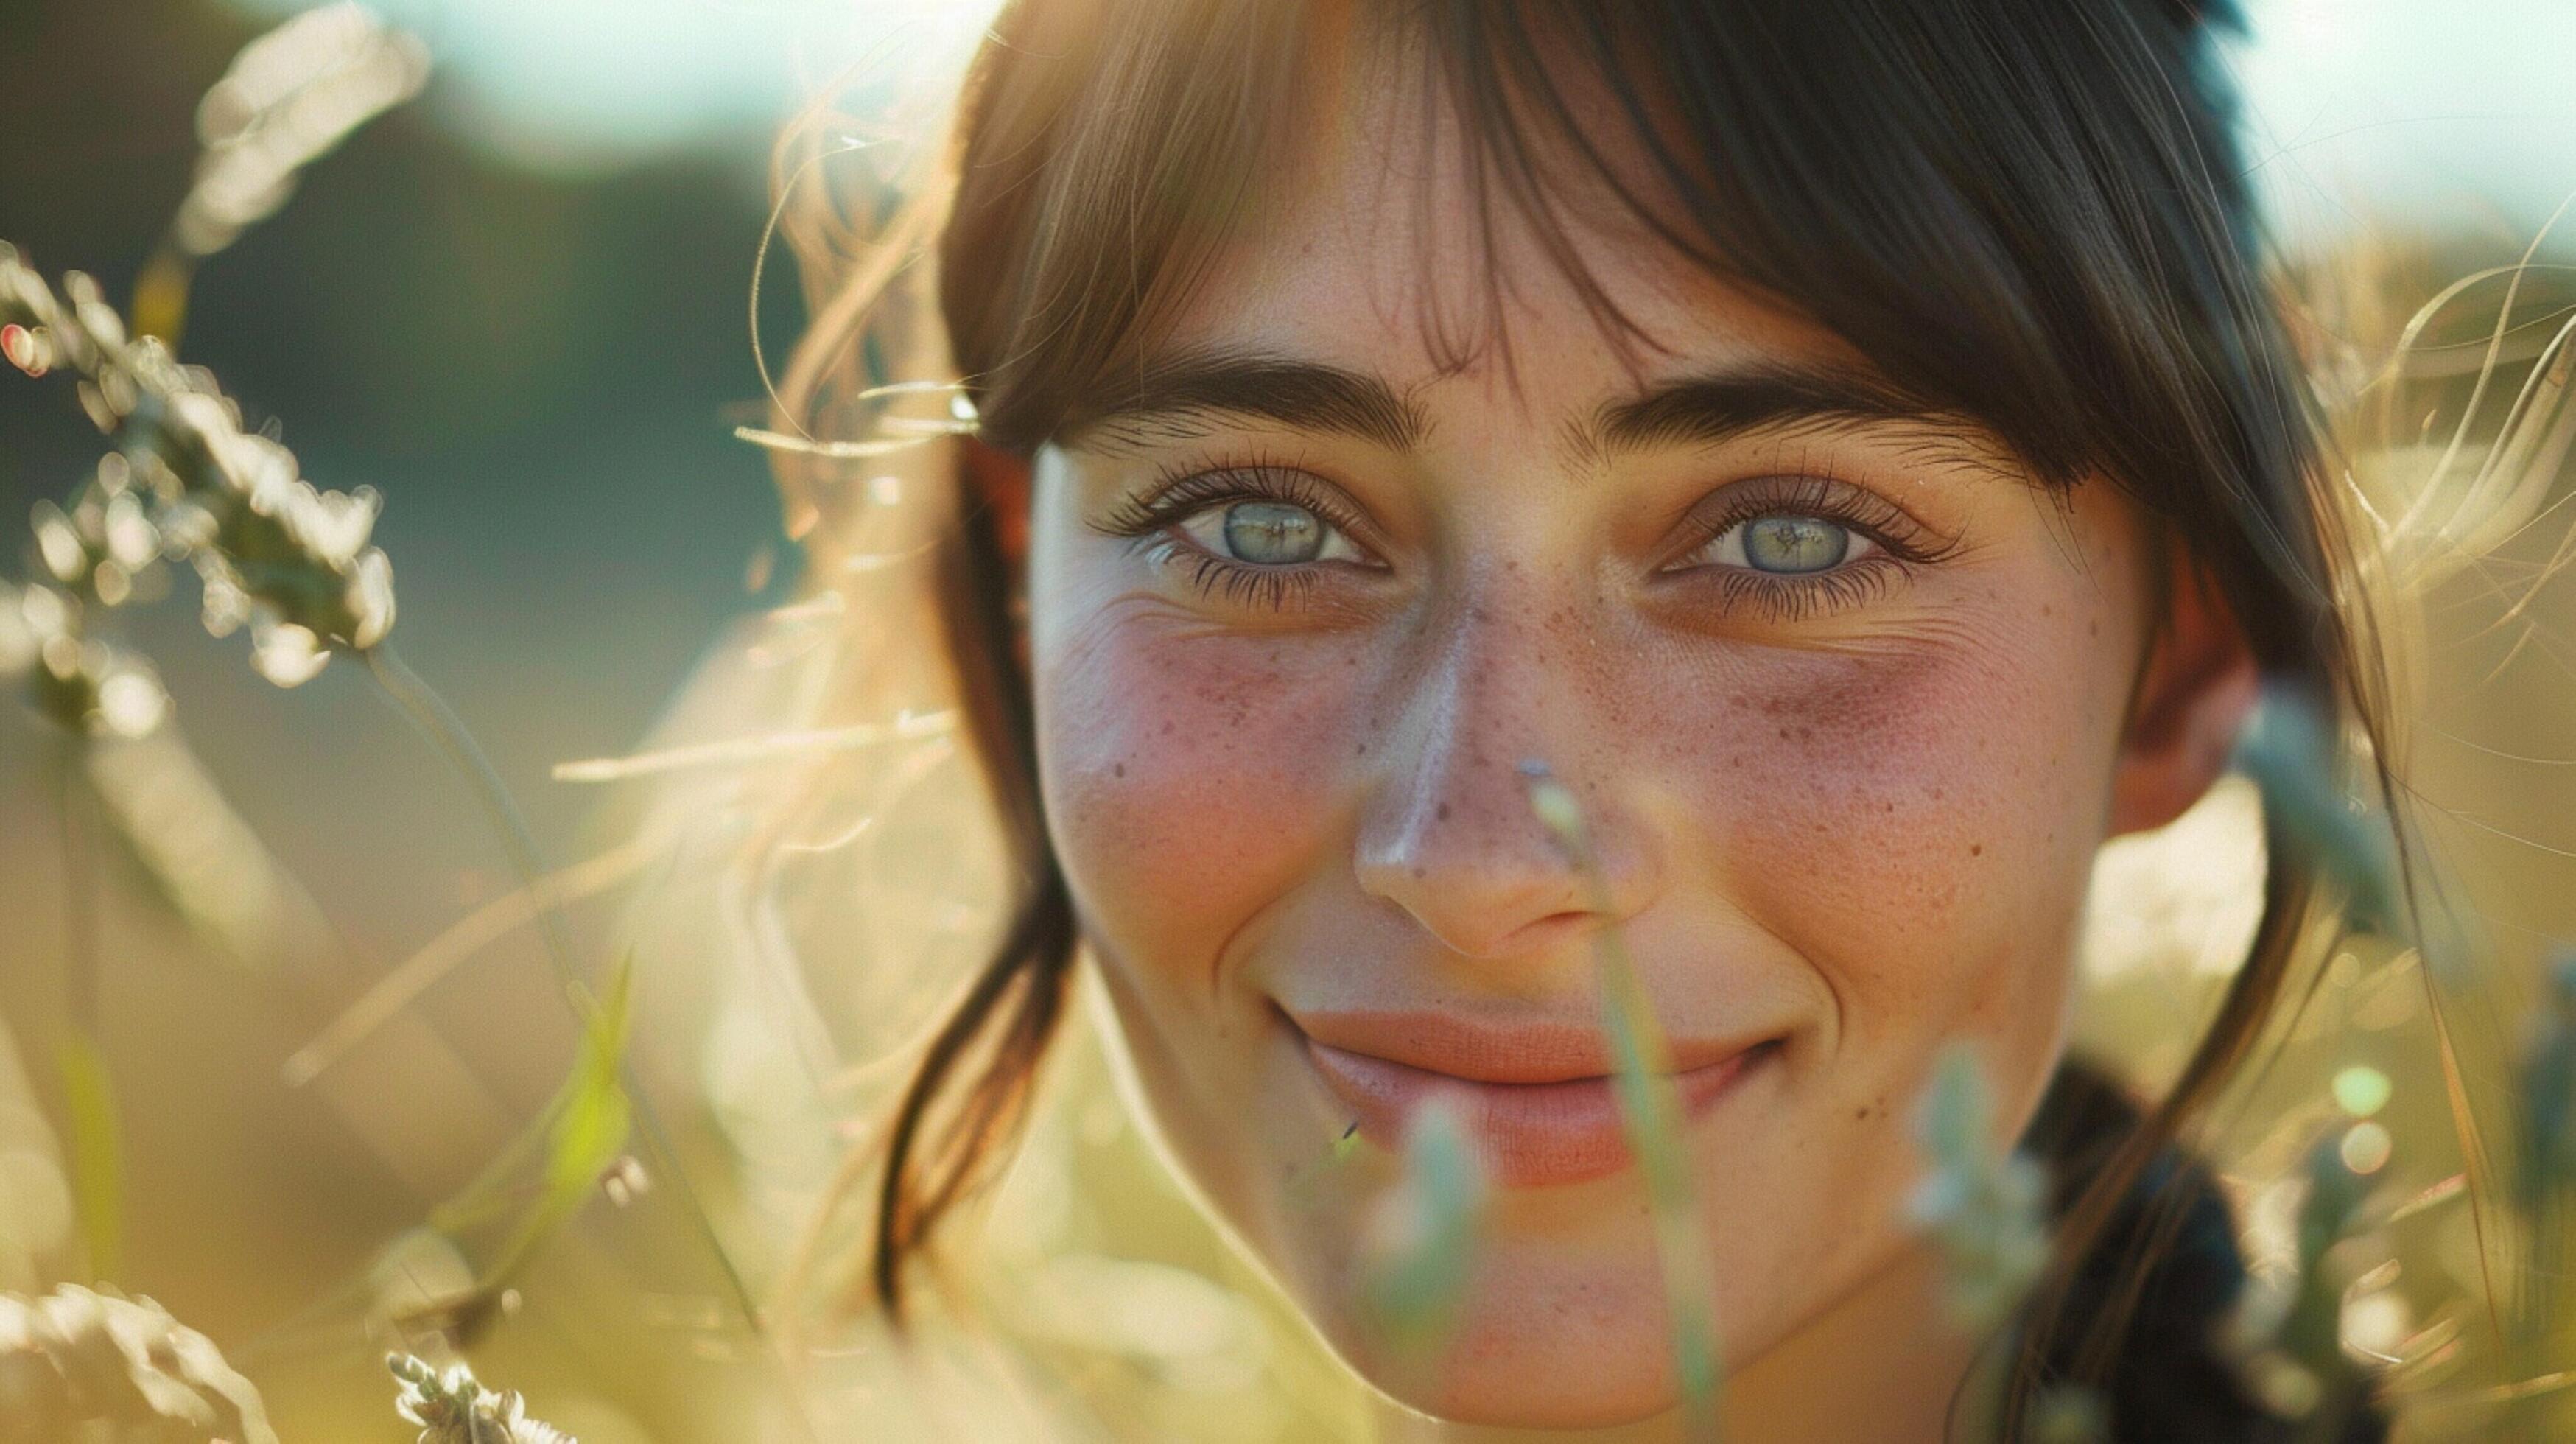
<point x="1538" y="1099"/>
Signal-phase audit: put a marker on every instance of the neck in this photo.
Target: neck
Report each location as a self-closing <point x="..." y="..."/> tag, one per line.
<point x="1883" y="1363"/>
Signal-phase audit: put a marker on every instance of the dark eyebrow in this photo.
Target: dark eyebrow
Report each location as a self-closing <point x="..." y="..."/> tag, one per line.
<point x="1165" y="395"/>
<point x="1722" y="405"/>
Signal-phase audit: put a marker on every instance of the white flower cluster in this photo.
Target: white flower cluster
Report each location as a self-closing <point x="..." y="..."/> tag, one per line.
<point x="77" y="681"/>
<point x="274" y="552"/>
<point x="453" y="1408"/>
<point x="75" y="1364"/>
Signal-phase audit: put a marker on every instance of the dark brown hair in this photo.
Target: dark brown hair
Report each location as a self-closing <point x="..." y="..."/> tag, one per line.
<point x="2030" y="212"/>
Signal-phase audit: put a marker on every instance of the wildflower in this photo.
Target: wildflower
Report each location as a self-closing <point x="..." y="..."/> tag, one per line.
<point x="2297" y="1363"/>
<point x="2289" y="752"/>
<point x="106" y="545"/>
<point x="273" y="551"/>
<point x="77" y="682"/>
<point x="76" y="1364"/>
<point x="453" y="1408"/>
<point x="1984" y="1209"/>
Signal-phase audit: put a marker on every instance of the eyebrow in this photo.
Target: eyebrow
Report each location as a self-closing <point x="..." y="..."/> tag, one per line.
<point x="1720" y="405"/>
<point x="1168" y="395"/>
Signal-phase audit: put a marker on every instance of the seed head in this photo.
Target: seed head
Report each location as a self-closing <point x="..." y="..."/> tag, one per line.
<point x="275" y="552"/>
<point x="76" y="681"/>
<point x="453" y="1408"/>
<point x="289" y="97"/>
<point x="77" y="1364"/>
<point x="2289" y="751"/>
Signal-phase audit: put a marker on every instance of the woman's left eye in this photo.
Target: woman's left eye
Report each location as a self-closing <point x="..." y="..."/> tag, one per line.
<point x="1785" y="545"/>
<point x="1265" y="533"/>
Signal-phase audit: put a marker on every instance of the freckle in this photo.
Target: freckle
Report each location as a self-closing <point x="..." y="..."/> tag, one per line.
<point x="1976" y="849"/>
<point x="1443" y="814"/>
<point x="1419" y="873"/>
<point x="1784" y="734"/>
<point x="1860" y="1112"/>
<point x="1118" y="771"/>
<point x="1360" y="751"/>
<point x="2093" y="628"/>
<point x="1167" y="726"/>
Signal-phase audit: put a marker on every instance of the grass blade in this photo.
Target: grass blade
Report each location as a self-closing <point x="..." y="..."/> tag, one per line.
<point x="579" y="1137"/>
<point x="96" y="1143"/>
<point x="1651" y="1112"/>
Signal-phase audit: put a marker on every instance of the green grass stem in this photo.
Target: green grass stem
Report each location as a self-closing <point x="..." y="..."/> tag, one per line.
<point x="1650" y="1109"/>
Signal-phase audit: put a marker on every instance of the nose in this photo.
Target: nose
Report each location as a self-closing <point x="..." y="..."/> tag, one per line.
<point x="1448" y="833"/>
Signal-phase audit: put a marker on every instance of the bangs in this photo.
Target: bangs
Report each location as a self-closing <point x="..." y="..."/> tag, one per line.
<point x="2019" y="211"/>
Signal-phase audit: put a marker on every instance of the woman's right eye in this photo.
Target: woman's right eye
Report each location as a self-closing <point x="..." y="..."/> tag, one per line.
<point x="1267" y="533"/>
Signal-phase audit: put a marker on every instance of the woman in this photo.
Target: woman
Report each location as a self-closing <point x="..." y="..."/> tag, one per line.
<point x="1846" y="444"/>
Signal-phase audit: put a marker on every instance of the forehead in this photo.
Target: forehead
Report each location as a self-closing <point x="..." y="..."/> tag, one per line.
<point x="1381" y="249"/>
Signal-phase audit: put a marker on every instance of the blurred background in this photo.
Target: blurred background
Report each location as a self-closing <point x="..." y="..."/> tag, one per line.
<point x="520" y="307"/>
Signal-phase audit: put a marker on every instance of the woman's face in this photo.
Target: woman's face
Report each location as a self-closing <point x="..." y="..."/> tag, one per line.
<point x="1841" y="692"/>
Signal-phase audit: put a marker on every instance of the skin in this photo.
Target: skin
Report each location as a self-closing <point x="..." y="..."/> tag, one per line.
<point x="1853" y="813"/>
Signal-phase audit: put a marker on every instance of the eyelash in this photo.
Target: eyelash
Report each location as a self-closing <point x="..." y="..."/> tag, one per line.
<point x="1180" y="494"/>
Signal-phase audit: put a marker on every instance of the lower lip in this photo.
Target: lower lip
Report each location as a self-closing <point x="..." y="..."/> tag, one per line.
<point x="1528" y="1134"/>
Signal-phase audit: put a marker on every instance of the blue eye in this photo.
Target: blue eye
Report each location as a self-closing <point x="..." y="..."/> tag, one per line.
<point x="1257" y="532"/>
<point x="1794" y="543"/>
<point x="1786" y="545"/>
<point x="1273" y="533"/>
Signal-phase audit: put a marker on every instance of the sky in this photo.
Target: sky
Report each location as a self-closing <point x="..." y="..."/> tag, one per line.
<point x="2400" y="111"/>
<point x="579" y="86"/>
<point x="2358" y="109"/>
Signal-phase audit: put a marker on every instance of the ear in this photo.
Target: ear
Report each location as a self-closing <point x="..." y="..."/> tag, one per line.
<point x="2193" y="692"/>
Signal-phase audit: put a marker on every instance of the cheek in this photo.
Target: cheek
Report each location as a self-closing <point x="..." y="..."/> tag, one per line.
<point x="1189" y="778"/>
<point x="1941" y="800"/>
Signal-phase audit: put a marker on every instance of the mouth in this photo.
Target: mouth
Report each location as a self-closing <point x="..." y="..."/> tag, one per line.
<point x="1539" y="1100"/>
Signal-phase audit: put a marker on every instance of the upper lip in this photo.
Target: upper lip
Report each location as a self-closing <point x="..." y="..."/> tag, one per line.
<point x="1491" y="1050"/>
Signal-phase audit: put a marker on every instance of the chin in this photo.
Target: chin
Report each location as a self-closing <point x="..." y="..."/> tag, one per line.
<point x="1530" y="1382"/>
<point x="1518" y="1396"/>
<point x="1584" y="1354"/>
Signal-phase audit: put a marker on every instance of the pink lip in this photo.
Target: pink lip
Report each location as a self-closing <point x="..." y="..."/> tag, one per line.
<point x="1537" y="1098"/>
